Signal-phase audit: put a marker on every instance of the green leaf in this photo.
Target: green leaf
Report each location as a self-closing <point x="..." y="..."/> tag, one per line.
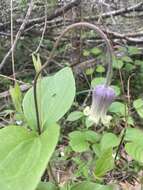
<point x="100" y="69"/>
<point x="138" y="62"/>
<point x="37" y="62"/>
<point x="109" y="140"/>
<point x="118" y="108"/>
<point x="97" y="81"/>
<point x="16" y="96"/>
<point x="55" y="97"/>
<point x="65" y="187"/>
<point x="46" y="186"/>
<point x="86" y="185"/>
<point x="95" y="51"/>
<point x="89" y="71"/>
<point x="134" y="50"/>
<point x="116" y="89"/>
<point x="135" y="147"/>
<point x="86" y="53"/>
<point x="138" y="105"/>
<point x="129" y="120"/>
<point x="96" y="148"/>
<point x="117" y="63"/>
<point x="129" y="67"/>
<point x="92" y="136"/>
<point x="88" y="122"/>
<point x="127" y="59"/>
<point x="24" y="156"/>
<point x="76" y="115"/>
<point x="135" y="150"/>
<point x="78" y="141"/>
<point x="134" y="135"/>
<point x="104" y="164"/>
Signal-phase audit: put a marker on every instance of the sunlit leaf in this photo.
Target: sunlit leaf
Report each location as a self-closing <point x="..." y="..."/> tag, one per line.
<point x="55" y="97"/>
<point x="92" y="136"/>
<point x="138" y="105"/>
<point x="88" y="122"/>
<point x="86" y="53"/>
<point x="24" y="156"/>
<point x="16" y="96"/>
<point x="109" y="140"/>
<point x="135" y="145"/>
<point x="95" y="51"/>
<point x="97" y="81"/>
<point x="46" y="186"/>
<point x="104" y="163"/>
<point x="100" y="69"/>
<point x="135" y="150"/>
<point x="116" y="89"/>
<point x="117" y="63"/>
<point x="86" y="185"/>
<point x="134" y="135"/>
<point x="89" y="71"/>
<point x="78" y="141"/>
<point x="76" y="115"/>
<point x="118" y="108"/>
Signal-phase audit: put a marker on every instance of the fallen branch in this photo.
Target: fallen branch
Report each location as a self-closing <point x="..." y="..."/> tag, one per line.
<point x="130" y="37"/>
<point x="54" y="15"/>
<point x="137" y="7"/>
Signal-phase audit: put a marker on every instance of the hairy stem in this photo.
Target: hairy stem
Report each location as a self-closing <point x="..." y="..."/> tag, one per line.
<point x="72" y="26"/>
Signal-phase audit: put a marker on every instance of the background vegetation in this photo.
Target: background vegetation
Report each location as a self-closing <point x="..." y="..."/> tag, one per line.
<point x="110" y="156"/>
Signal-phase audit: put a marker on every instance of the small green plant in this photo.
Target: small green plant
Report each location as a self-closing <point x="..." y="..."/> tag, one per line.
<point x="24" y="152"/>
<point x="26" y="148"/>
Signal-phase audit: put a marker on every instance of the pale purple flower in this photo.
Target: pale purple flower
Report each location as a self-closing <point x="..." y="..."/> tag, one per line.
<point x="102" y="97"/>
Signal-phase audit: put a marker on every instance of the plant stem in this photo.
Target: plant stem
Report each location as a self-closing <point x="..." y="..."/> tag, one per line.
<point x="72" y="26"/>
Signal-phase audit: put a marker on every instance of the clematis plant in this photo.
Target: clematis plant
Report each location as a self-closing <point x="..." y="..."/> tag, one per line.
<point x="102" y="97"/>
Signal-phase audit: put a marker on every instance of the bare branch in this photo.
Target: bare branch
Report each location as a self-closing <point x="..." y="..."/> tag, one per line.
<point x="55" y="14"/>
<point x="21" y="29"/>
<point x="136" y="7"/>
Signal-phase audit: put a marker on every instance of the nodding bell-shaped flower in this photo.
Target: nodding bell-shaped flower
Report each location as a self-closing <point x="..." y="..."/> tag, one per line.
<point x="102" y="97"/>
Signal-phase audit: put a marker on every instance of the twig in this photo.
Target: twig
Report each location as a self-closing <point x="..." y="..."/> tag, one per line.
<point x="126" y="120"/>
<point x="120" y="145"/>
<point x="44" y="29"/>
<point x="56" y="13"/>
<point x="12" y="40"/>
<point x="10" y="78"/>
<point x="23" y="88"/>
<point x="129" y="37"/>
<point x="136" y="7"/>
<point x="52" y="174"/>
<point x="21" y="29"/>
<point x="128" y="88"/>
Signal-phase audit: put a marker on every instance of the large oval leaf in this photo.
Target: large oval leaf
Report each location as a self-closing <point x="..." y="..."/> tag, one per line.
<point x="135" y="150"/>
<point x="135" y="145"/>
<point x="91" y="186"/>
<point x="104" y="163"/>
<point x="134" y="135"/>
<point x="24" y="156"/>
<point x="55" y="97"/>
<point x="46" y="186"/>
<point x="109" y="140"/>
